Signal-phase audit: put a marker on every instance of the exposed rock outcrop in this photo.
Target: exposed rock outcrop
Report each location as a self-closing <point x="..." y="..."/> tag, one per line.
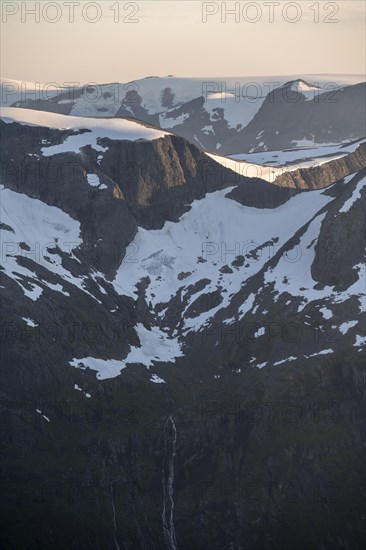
<point x="325" y="174"/>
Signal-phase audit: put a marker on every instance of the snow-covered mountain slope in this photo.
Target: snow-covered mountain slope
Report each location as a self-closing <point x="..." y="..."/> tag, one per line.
<point x="289" y="119"/>
<point x="248" y="91"/>
<point x="195" y="259"/>
<point x="44" y="229"/>
<point x="221" y="260"/>
<point x="67" y="161"/>
<point x="151" y="89"/>
<point x="200" y="270"/>
<point x="211" y="235"/>
<point x="303" y="156"/>
<point x="186" y="89"/>
<point x="269" y="166"/>
<point x="214" y="113"/>
<point x="117" y="129"/>
<point x="181" y="238"/>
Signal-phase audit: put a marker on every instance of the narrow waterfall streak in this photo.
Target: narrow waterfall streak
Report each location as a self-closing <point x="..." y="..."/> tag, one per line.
<point x="114" y="521"/>
<point x="170" y="438"/>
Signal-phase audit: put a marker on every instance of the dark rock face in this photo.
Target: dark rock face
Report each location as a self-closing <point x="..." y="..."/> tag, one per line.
<point x="160" y="178"/>
<point x="205" y="302"/>
<point x="223" y="455"/>
<point x="325" y="174"/>
<point x="286" y="116"/>
<point x="61" y="181"/>
<point x="261" y="194"/>
<point x="334" y="241"/>
<point x="191" y="121"/>
<point x="131" y="106"/>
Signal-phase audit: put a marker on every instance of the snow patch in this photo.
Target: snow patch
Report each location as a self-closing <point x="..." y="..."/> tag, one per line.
<point x="291" y="358"/>
<point x="156" y="379"/>
<point x="354" y="197"/>
<point x="327" y="313"/>
<point x="93" y="180"/>
<point x="360" y="341"/>
<point x="30" y="322"/>
<point x="344" y="327"/>
<point x="156" y="346"/>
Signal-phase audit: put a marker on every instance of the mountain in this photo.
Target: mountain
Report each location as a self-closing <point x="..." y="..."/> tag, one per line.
<point x="183" y="346"/>
<point x="236" y="115"/>
<point x="290" y="116"/>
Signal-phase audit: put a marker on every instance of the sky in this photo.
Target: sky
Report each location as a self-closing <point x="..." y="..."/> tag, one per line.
<point x="109" y="41"/>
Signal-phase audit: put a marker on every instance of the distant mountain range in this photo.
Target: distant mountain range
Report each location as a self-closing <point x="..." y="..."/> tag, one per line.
<point x="227" y="115"/>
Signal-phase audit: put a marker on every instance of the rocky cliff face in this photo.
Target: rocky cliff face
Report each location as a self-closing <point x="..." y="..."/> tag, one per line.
<point x="324" y="174"/>
<point x="160" y="179"/>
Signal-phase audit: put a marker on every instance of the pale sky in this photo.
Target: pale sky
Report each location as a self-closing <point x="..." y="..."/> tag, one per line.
<point x="170" y="37"/>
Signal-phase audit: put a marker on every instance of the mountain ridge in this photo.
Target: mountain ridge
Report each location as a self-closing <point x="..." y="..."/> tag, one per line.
<point x="212" y="115"/>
